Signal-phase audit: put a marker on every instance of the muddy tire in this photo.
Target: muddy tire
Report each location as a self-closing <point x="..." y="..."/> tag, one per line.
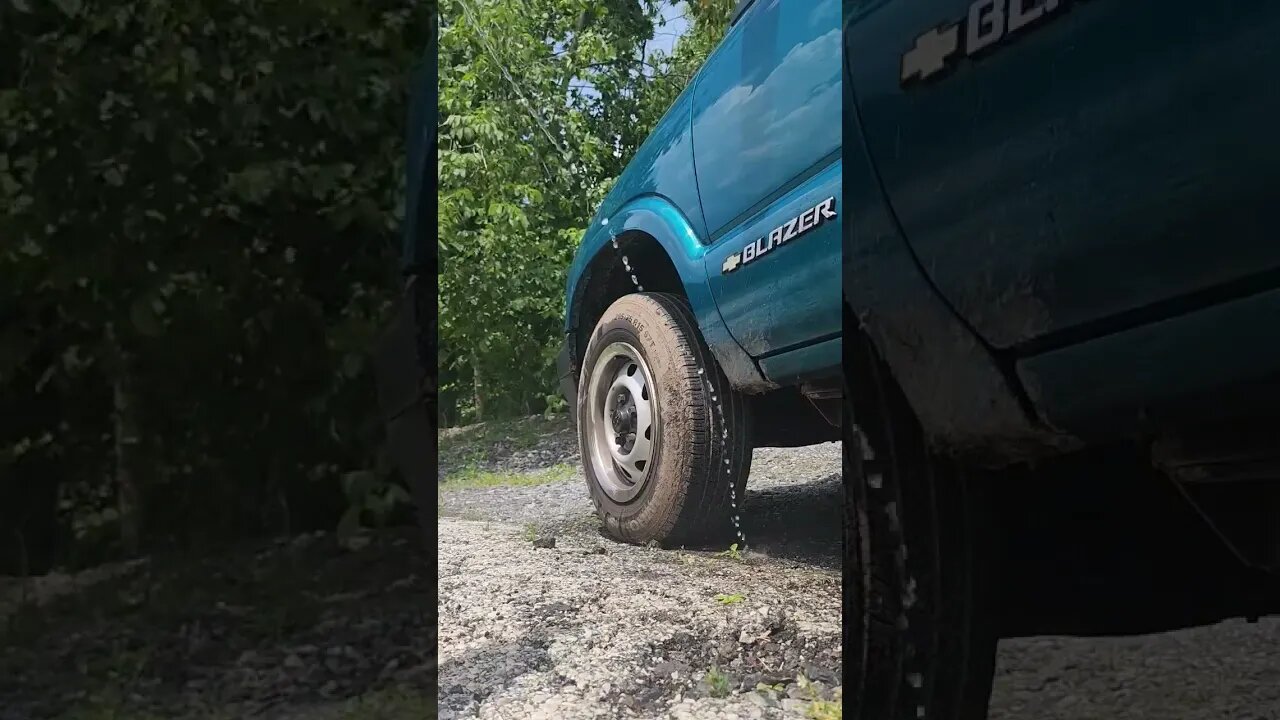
<point x="918" y="568"/>
<point x="660" y="464"/>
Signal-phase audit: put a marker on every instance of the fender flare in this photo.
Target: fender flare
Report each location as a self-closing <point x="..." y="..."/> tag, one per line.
<point x="658" y="218"/>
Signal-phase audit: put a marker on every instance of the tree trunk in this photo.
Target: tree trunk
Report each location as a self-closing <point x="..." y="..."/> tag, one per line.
<point x="125" y="431"/>
<point x="477" y="386"/>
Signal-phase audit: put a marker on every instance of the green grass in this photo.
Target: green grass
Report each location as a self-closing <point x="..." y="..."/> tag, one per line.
<point x="728" y="599"/>
<point x="472" y="477"/>
<point x="825" y="710"/>
<point x="717" y="683"/>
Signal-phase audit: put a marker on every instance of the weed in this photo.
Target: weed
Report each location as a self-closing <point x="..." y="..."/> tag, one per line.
<point x="530" y="532"/>
<point x="728" y="599"/>
<point x="717" y="683"/>
<point x="820" y="709"/>
<point x="825" y="710"/>
<point x="732" y="553"/>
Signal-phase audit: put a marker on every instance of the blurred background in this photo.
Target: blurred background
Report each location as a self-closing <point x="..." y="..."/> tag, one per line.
<point x="200" y="207"/>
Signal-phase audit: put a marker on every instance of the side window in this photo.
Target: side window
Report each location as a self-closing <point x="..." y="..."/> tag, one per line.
<point x="767" y="108"/>
<point x="739" y="11"/>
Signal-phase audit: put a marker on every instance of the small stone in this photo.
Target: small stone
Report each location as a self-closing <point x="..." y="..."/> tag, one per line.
<point x="293" y="662"/>
<point x="791" y="705"/>
<point x="545" y="542"/>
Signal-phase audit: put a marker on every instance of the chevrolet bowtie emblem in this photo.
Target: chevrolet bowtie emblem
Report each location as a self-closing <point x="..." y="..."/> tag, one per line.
<point x="812" y="218"/>
<point x="931" y="52"/>
<point x="986" y="25"/>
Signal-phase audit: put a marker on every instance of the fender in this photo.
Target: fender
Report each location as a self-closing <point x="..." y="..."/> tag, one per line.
<point x="968" y="404"/>
<point x="660" y="219"/>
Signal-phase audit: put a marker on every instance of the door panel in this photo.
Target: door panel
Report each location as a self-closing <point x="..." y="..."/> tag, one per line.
<point x="1101" y="161"/>
<point x="766" y="141"/>
<point x="790" y="295"/>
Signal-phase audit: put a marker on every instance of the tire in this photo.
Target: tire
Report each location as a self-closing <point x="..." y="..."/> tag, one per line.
<point x="646" y="348"/>
<point x="918" y="566"/>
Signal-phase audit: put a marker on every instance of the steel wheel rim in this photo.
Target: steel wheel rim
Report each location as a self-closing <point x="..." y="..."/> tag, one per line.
<point x="624" y="424"/>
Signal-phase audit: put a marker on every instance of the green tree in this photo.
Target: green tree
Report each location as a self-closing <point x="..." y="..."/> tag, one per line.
<point x="199" y="202"/>
<point x="542" y="104"/>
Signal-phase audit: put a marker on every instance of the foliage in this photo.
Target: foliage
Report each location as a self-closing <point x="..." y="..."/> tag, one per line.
<point x="199" y="203"/>
<point x="542" y="104"/>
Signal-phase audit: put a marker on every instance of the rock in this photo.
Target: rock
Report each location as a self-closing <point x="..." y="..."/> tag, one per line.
<point x="293" y="662"/>
<point x="795" y="707"/>
<point x="548" y="541"/>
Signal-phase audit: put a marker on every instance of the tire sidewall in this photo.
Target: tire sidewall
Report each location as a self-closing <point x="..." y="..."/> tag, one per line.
<point x="639" y="322"/>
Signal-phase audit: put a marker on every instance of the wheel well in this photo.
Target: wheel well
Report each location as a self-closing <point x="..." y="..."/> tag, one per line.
<point x="1130" y="554"/>
<point x="605" y="280"/>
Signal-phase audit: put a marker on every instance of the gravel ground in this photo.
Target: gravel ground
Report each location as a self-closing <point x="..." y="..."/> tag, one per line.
<point x="295" y="629"/>
<point x="592" y="628"/>
<point x="1229" y="671"/>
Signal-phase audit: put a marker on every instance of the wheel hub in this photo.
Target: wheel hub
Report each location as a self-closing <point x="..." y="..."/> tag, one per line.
<point x="623" y="432"/>
<point x="624" y="419"/>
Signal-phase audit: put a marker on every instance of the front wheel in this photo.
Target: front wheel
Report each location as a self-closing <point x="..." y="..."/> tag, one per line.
<point x="918" y="563"/>
<point x="664" y="438"/>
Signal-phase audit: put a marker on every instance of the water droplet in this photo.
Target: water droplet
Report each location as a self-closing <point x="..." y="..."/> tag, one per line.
<point x="604" y="221"/>
<point x="699" y="371"/>
<point x="640" y="288"/>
